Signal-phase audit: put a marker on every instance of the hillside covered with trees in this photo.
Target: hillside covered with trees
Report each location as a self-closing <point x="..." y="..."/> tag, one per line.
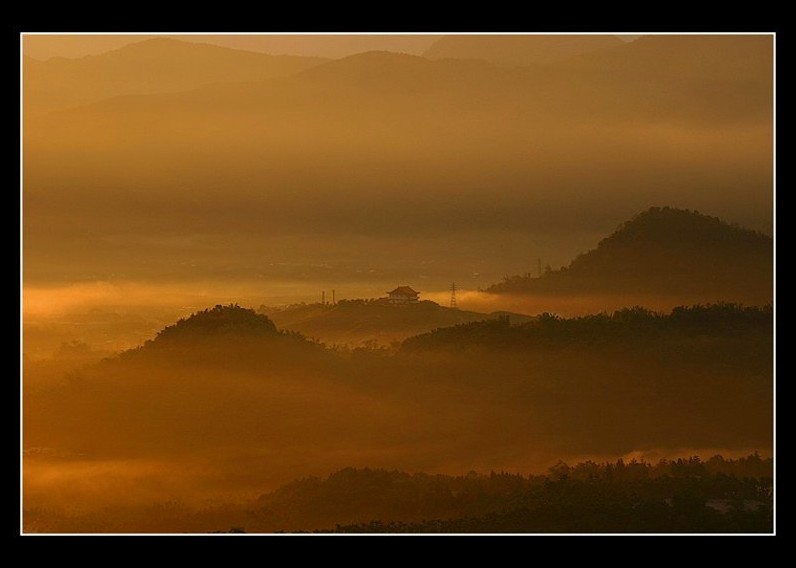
<point x="633" y="326"/>
<point x="665" y="251"/>
<point x="678" y="495"/>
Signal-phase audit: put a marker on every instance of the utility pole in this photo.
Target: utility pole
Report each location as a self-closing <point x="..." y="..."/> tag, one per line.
<point x="334" y="302"/>
<point x="323" y="298"/>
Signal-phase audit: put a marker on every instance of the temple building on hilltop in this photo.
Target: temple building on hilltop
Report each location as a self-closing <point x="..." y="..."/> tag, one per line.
<point x="403" y="295"/>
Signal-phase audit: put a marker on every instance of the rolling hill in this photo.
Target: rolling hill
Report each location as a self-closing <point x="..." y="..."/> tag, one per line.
<point x="665" y="251"/>
<point x="357" y="322"/>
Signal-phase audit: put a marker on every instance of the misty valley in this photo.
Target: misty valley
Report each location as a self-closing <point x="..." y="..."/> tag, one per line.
<point x="397" y="284"/>
<point x="223" y="404"/>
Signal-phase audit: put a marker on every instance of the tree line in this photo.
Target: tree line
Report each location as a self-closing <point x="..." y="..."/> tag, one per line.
<point x="628" y="324"/>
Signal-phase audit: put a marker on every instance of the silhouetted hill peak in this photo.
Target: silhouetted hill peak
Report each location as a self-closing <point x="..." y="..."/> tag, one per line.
<point x="668" y="226"/>
<point x="220" y="321"/>
<point x="228" y="337"/>
<point x="667" y="251"/>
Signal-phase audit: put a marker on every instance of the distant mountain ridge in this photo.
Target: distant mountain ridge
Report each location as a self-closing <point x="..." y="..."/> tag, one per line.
<point x="159" y="65"/>
<point x="665" y="250"/>
<point x="518" y="50"/>
<point x="73" y="46"/>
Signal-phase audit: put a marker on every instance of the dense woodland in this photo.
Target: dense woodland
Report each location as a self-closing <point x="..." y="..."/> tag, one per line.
<point x="673" y="496"/>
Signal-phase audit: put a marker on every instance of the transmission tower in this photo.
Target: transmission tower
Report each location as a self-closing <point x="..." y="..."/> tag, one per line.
<point x="453" y="295"/>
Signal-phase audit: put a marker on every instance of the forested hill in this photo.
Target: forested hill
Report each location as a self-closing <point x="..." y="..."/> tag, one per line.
<point x="218" y="321"/>
<point x="678" y="495"/>
<point x="666" y="251"/>
<point x="226" y="337"/>
<point x="627" y="326"/>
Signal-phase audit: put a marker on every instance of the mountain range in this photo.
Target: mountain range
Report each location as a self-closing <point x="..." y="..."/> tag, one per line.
<point x="158" y="65"/>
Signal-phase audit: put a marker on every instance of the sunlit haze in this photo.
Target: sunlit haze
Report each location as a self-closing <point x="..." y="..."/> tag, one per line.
<point x="262" y="273"/>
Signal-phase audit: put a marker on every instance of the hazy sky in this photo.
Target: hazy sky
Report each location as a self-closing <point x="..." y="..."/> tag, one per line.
<point x="174" y="161"/>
